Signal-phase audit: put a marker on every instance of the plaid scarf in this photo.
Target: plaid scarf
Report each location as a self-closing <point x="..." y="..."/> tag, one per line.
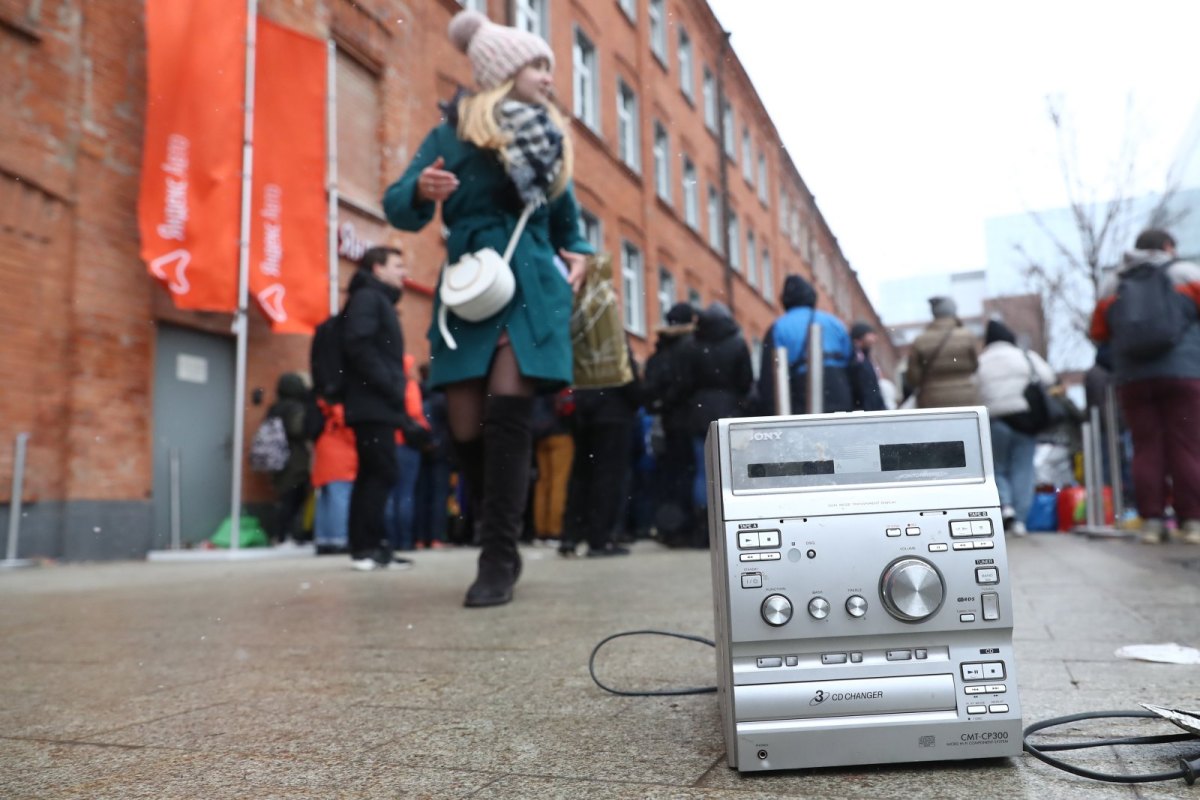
<point x="533" y="155"/>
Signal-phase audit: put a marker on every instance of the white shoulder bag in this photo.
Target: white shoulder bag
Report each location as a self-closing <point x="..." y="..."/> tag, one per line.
<point x="479" y="284"/>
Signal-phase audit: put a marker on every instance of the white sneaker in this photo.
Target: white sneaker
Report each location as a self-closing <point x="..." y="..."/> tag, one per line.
<point x="1189" y="532"/>
<point x="1153" y="532"/>
<point x="365" y="564"/>
<point x="1017" y="528"/>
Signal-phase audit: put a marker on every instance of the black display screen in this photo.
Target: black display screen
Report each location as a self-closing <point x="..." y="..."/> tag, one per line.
<point x="922" y="455"/>
<point x="784" y="469"/>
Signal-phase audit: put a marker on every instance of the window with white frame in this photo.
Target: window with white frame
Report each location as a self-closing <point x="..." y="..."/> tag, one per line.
<point x="531" y="15"/>
<point x="768" y="276"/>
<point x="586" y="81"/>
<point x="590" y="230"/>
<point x="735" y="242"/>
<point x="785" y="204"/>
<point x="762" y="178"/>
<point x="751" y="258"/>
<point x="687" y="81"/>
<point x="630" y="8"/>
<point x="633" y="288"/>
<point x="747" y="156"/>
<point x="474" y="5"/>
<point x="691" y="194"/>
<point x="714" y="218"/>
<point x="657" y="12"/>
<point x="709" y="90"/>
<point x="728" y="132"/>
<point x="662" y="162"/>
<point x="629" y="145"/>
<point x="666" y="294"/>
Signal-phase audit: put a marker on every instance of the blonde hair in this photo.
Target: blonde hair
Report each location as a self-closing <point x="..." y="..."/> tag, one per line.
<point x="477" y="124"/>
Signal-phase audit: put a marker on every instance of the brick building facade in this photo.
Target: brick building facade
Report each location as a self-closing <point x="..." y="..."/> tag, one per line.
<point x="670" y="134"/>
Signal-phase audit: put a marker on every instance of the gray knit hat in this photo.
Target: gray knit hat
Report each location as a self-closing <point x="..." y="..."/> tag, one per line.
<point x="497" y="52"/>
<point x="943" y="306"/>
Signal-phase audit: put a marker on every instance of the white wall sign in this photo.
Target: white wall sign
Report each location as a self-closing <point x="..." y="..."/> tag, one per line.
<point x="191" y="369"/>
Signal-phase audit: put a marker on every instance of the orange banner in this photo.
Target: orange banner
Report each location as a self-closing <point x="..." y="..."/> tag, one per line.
<point x="189" y="203"/>
<point x="289" y="244"/>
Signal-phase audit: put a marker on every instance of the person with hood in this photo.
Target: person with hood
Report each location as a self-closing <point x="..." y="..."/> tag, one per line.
<point x="943" y="360"/>
<point x="791" y="331"/>
<point x="291" y="484"/>
<point x="1159" y="391"/>
<point x="500" y="151"/>
<point x="667" y="389"/>
<point x="375" y="384"/>
<point x="720" y="379"/>
<point x="864" y="374"/>
<point x="1004" y="371"/>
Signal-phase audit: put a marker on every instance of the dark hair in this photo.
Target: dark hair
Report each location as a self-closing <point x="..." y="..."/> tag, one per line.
<point x="377" y="255"/>
<point x="1154" y="239"/>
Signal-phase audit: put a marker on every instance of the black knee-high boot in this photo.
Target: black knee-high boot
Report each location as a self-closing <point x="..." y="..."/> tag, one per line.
<point x="507" y="449"/>
<point x="468" y="457"/>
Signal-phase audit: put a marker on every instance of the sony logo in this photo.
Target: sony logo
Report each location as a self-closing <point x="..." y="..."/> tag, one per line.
<point x="766" y="436"/>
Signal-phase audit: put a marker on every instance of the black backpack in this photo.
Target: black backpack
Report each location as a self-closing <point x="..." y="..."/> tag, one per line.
<point x="327" y="360"/>
<point x="1148" y="317"/>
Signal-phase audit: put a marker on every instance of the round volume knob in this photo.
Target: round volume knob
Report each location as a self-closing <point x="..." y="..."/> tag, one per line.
<point x="818" y="608"/>
<point x="912" y="589"/>
<point x="776" y="610"/>
<point x="856" y="605"/>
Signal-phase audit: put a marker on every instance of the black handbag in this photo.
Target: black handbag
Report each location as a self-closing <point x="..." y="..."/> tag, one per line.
<point x="1044" y="410"/>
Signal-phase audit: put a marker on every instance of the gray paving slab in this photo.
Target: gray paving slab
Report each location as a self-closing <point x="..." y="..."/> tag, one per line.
<point x="305" y="679"/>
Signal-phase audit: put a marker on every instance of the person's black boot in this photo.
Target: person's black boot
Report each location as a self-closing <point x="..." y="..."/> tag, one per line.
<point x="468" y="457"/>
<point x="507" y="449"/>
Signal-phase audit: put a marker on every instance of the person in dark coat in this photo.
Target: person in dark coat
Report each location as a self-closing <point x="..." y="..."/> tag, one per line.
<point x="667" y="387"/>
<point x="373" y="346"/>
<point x="721" y="376"/>
<point x="791" y="331"/>
<point x="864" y="375"/>
<point x="503" y="150"/>
<point x="602" y="430"/>
<point x="292" y="483"/>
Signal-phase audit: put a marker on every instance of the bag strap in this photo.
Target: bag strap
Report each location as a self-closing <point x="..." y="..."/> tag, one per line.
<point x="1033" y="376"/>
<point x="937" y="351"/>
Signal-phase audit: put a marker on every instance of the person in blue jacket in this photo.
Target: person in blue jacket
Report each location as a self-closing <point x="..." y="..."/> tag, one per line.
<point x="799" y="300"/>
<point x="501" y="149"/>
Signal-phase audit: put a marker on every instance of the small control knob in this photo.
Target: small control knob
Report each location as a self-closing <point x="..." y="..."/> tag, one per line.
<point x="776" y="610"/>
<point x="818" y="608"/>
<point x="856" y="605"/>
<point x="912" y="589"/>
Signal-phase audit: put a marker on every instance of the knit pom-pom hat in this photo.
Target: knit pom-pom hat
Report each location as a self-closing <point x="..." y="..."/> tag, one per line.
<point x="497" y="52"/>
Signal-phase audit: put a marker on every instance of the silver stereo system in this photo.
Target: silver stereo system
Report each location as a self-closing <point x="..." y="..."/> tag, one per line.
<point x="860" y="582"/>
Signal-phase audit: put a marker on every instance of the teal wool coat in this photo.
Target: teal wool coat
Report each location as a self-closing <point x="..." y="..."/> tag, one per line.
<point x="481" y="213"/>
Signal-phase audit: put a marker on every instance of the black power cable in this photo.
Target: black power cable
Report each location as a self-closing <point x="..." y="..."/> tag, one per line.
<point x="655" y="692"/>
<point x="1189" y="768"/>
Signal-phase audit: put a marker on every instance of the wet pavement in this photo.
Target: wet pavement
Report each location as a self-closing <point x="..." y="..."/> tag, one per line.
<point x="302" y="678"/>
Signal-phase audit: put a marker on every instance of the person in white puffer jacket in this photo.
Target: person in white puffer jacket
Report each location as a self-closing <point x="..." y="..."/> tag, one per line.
<point x="1003" y="373"/>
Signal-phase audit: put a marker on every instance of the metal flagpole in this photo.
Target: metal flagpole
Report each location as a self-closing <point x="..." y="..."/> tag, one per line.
<point x="331" y="175"/>
<point x="240" y="321"/>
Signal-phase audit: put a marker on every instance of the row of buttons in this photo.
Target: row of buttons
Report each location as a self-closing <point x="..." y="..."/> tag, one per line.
<point x="983" y="671"/>
<point x="920" y="654"/>
<point x="991" y="688"/>
<point x="970" y="527"/>
<point x="982" y="545"/>
<point x="994" y="708"/>
<point x="748" y="540"/>
<point x="911" y="530"/>
<point x="760" y="556"/>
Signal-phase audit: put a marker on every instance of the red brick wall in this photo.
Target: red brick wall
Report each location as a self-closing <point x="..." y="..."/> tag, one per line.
<point x="79" y="310"/>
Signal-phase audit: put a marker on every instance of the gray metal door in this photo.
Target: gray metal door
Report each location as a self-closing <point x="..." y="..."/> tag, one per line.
<point x="193" y="414"/>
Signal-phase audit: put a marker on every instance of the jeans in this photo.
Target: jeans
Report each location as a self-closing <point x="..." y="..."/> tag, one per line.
<point x="402" y="503"/>
<point x="1012" y="460"/>
<point x="433" y="494"/>
<point x="700" y="481"/>
<point x="333" y="514"/>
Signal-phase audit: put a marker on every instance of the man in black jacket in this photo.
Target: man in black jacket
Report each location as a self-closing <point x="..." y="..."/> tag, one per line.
<point x="373" y="346"/>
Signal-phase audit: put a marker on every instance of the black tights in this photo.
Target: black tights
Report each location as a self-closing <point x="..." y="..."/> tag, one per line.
<point x="465" y="399"/>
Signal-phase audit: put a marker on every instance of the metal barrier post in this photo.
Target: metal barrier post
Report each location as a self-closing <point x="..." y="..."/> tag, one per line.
<point x="816" y="370"/>
<point x="14" y="508"/>
<point x="1089" y="447"/>
<point x="1115" y="453"/>
<point x="176" y="490"/>
<point x="783" y="383"/>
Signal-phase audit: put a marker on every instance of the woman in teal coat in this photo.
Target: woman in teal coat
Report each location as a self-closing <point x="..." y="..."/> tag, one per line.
<point x="506" y="147"/>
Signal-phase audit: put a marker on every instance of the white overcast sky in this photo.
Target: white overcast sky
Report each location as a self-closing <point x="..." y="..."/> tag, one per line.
<point x="913" y="122"/>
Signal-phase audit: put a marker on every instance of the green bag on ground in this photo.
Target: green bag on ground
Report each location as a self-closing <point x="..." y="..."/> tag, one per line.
<point x="597" y="331"/>
<point x="250" y="533"/>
